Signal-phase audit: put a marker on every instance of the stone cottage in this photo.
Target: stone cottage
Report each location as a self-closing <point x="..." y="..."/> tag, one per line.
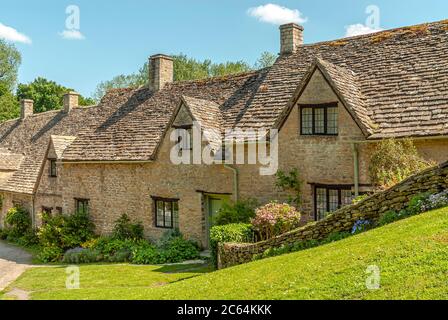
<point x="331" y="102"/>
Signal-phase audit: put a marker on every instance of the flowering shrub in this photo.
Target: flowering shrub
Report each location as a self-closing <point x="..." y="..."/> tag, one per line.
<point x="434" y="201"/>
<point x="274" y="219"/>
<point x="361" y="226"/>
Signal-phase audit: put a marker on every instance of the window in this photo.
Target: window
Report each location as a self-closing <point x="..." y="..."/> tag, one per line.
<point x="319" y="119"/>
<point x="47" y="210"/>
<point x="166" y="213"/>
<point x="59" y="211"/>
<point x="82" y="205"/>
<point x="53" y="168"/>
<point x="328" y="199"/>
<point x="184" y="137"/>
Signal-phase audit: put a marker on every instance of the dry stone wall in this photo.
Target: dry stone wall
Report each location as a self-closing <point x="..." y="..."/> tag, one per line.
<point x="397" y="198"/>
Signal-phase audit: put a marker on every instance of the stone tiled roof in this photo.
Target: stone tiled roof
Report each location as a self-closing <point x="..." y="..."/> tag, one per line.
<point x="393" y="83"/>
<point x="396" y="81"/>
<point x="60" y="143"/>
<point x="10" y="161"/>
<point x="133" y="132"/>
<point x="30" y="137"/>
<point x="209" y="117"/>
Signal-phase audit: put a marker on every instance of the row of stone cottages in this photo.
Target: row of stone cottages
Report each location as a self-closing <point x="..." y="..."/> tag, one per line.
<point x="330" y="101"/>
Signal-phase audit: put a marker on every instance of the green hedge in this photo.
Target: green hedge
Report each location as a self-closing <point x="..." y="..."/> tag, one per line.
<point x="235" y="233"/>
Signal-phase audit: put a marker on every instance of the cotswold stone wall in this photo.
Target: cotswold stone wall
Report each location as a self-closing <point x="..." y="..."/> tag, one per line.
<point x="397" y="198"/>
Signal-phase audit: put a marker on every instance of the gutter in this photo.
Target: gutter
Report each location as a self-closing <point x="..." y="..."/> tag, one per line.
<point x="235" y="181"/>
<point x="441" y="137"/>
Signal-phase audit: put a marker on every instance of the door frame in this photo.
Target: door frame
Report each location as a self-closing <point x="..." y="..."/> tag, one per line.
<point x="207" y="198"/>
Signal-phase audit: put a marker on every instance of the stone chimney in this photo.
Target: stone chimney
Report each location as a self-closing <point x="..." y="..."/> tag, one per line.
<point x="160" y="71"/>
<point x="70" y="101"/>
<point x="26" y="108"/>
<point x="291" y="37"/>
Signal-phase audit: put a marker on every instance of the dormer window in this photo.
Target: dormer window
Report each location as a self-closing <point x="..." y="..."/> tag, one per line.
<point x="53" y="168"/>
<point x="319" y="119"/>
<point x="184" y="137"/>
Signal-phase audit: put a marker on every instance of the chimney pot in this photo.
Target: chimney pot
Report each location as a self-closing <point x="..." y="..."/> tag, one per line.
<point x="71" y="100"/>
<point x="26" y="108"/>
<point x="291" y="37"/>
<point x="160" y="71"/>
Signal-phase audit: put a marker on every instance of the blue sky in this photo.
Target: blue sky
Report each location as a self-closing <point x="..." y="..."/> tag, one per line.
<point x="118" y="36"/>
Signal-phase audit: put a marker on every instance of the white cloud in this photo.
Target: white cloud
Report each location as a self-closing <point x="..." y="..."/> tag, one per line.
<point x="72" y="35"/>
<point x="275" y="14"/>
<point x="359" y="29"/>
<point x="11" y="34"/>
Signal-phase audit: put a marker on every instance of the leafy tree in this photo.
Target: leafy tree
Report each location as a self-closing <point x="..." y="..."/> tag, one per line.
<point x="266" y="60"/>
<point x="9" y="106"/>
<point x="47" y="95"/>
<point x="185" y="68"/>
<point x="10" y="60"/>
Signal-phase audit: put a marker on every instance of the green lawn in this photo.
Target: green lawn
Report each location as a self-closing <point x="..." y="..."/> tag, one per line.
<point x="103" y="281"/>
<point x="412" y="256"/>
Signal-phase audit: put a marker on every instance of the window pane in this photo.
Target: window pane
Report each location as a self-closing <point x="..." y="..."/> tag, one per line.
<point x="321" y="203"/>
<point x="332" y="120"/>
<point x="334" y="200"/>
<point x="346" y="197"/>
<point x="168" y="213"/>
<point x="307" y="121"/>
<point x="319" y="120"/>
<point x="176" y="215"/>
<point x="160" y="215"/>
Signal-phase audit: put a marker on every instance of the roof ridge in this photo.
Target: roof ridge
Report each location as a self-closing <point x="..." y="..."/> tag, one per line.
<point x="374" y="34"/>
<point x="41" y="114"/>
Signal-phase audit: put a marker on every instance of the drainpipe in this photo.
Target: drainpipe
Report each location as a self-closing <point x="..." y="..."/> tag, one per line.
<point x="33" y="217"/>
<point x="235" y="181"/>
<point x="356" y="167"/>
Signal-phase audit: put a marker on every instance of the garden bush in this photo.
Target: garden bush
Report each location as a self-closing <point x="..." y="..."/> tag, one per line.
<point x="3" y="234"/>
<point x="172" y="248"/>
<point x="125" y="229"/>
<point x="50" y="254"/>
<point x="239" y="212"/>
<point x="235" y="233"/>
<point x="179" y="249"/>
<point x="147" y="254"/>
<point x="18" y="222"/>
<point x="60" y="233"/>
<point x="275" y="219"/>
<point x="81" y="255"/>
<point x="393" y="161"/>
<point x="115" y="250"/>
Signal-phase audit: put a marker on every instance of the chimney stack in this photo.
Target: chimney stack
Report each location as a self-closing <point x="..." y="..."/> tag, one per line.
<point x="26" y="108"/>
<point x="70" y="101"/>
<point x="160" y="71"/>
<point x="291" y="37"/>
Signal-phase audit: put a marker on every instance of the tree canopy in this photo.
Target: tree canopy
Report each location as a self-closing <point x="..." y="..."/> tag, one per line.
<point x="10" y="60"/>
<point x="185" y="68"/>
<point x="47" y="95"/>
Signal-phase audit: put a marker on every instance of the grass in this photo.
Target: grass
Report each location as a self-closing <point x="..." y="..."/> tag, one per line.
<point x="412" y="256"/>
<point x="102" y="281"/>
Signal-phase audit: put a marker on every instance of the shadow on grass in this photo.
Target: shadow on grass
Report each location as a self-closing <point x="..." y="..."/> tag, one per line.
<point x="196" y="268"/>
